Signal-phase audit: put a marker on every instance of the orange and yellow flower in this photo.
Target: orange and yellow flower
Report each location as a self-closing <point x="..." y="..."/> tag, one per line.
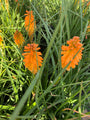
<point x="19" y="39"/>
<point x="71" y="54"/>
<point x="32" y="58"/>
<point x="30" y="24"/>
<point x="1" y="40"/>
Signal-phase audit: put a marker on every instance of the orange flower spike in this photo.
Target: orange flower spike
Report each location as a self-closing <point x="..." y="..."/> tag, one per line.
<point x="19" y="39"/>
<point x="32" y="58"/>
<point x="71" y="53"/>
<point x="30" y="23"/>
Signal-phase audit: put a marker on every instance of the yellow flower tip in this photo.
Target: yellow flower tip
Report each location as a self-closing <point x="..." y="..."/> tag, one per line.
<point x="32" y="58"/>
<point x="19" y="39"/>
<point x="30" y="23"/>
<point x="71" y="54"/>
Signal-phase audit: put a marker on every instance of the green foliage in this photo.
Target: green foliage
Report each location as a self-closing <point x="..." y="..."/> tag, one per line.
<point x="46" y="95"/>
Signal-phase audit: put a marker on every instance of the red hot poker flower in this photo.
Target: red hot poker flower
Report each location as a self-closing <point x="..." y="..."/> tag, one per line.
<point x="30" y="23"/>
<point x="19" y="39"/>
<point x="71" y="53"/>
<point x="32" y="58"/>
